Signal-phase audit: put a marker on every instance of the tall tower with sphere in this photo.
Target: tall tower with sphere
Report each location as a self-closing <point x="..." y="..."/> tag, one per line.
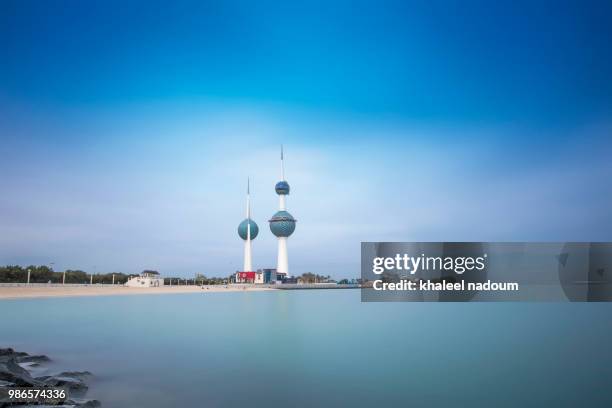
<point x="248" y="230"/>
<point x="282" y="224"/>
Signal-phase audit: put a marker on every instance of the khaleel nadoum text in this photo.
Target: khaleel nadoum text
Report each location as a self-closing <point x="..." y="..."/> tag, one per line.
<point x="413" y="264"/>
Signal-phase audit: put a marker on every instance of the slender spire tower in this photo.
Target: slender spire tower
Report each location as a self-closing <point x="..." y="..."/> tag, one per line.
<point x="248" y="230"/>
<point x="282" y="224"/>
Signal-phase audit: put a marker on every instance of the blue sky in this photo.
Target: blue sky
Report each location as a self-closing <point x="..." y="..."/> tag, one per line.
<point x="128" y="130"/>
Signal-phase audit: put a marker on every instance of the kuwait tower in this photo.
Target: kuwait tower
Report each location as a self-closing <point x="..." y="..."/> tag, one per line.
<point x="248" y="231"/>
<point x="282" y="224"/>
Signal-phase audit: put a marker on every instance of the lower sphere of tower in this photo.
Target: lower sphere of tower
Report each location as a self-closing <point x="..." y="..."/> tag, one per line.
<point x="282" y="224"/>
<point x="242" y="229"/>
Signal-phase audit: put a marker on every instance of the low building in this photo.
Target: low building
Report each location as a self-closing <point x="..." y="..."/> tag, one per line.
<point x="280" y="277"/>
<point x="249" y="277"/>
<point x="261" y="276"/>
<point x="147" y="279"/>
<point x="269" y="275"/>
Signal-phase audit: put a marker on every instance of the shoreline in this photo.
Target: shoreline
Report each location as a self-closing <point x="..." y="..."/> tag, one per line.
<point x="49" y="291"/>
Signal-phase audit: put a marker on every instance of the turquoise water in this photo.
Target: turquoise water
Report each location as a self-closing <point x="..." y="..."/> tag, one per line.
<point x="320" y="348"/>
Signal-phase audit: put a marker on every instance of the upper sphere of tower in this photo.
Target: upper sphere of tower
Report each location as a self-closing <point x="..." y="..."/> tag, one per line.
<point x="282" y="188"/>
<point x="242" y="229"/>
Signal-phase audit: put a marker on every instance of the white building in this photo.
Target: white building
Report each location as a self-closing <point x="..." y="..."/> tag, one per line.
<point x="147" y="279"/>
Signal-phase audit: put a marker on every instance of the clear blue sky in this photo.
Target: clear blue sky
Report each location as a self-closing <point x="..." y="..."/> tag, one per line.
<point x="128" y="130"/>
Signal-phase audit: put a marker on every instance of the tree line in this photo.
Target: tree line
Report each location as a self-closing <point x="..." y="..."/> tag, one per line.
<point x="45" y="274"/>
<point x="309" y="277"/>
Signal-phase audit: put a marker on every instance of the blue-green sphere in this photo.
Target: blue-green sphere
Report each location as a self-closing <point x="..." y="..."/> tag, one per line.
<point x="282" y="188"/>
<point x="282" y="224"/>
<point x="242" y="229"/>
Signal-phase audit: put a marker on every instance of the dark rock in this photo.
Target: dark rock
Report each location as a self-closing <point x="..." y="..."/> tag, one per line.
<point x="11" y="371"/>
<point x="10" y="352"/>
<point x="69" y="403"/>
<point x="81" y="375"/>
<point x="83" y="403"/>
<point x="12" y="374"/>
<point x="75" y="384"/>
<point x="27" y="366"/>
<point x="7" y="354"/>
<point x="32" y="359"/>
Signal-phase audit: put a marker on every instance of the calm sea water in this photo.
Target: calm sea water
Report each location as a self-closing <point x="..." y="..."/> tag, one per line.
<point x="320" y="348"/>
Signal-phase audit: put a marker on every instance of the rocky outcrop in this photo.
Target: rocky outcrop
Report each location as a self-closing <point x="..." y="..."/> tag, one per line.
<point x="14" y="373"/>
<point x="11" y="353"/>
<point x="32" y="359"/>
<point x="72" y="380"/>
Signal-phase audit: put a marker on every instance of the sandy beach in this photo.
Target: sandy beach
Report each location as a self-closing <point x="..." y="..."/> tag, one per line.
<point x="43" y="291"/>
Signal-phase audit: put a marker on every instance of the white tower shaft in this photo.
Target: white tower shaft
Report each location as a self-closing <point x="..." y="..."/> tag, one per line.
<point x="248" y="259"/>
<point x="282" y="165"/>
<point x="281" y="197"/>
<point x="282" y="265"/>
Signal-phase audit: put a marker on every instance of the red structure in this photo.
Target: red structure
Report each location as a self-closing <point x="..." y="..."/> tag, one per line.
<point x="245" y="277"/>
